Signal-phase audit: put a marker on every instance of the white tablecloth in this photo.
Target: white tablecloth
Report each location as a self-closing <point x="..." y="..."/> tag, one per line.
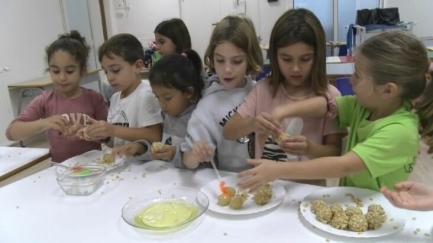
<point x="12" y="158"/>
<point x="36" y="210"/>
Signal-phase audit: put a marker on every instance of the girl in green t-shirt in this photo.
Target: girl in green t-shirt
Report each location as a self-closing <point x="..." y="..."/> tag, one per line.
<point x="390" y="72"/>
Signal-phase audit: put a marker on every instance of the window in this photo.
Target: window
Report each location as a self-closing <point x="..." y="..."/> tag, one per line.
<point x="336" y="26"/>
<point x="347" y="14"/>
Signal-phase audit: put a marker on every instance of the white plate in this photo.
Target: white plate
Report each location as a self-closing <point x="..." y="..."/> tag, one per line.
<point x="249" y="207"/>
<point x="338" y="195"/>
<point x="92" y="157"/>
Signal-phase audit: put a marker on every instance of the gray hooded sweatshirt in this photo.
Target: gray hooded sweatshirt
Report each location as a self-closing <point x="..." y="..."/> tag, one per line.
<point x="207" y="121"/>
<point x="173" y="133"/>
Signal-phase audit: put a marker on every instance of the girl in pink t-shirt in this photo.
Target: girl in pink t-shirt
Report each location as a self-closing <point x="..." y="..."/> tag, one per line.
<point x="297" y="55"/>
<point x="61" y="112"/>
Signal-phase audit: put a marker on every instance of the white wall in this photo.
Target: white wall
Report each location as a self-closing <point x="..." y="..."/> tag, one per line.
<point x="268" y="15"/>
<point x="419" y="11"/>
<point x="96" y="22"/>
<point x="77" y="15"/>
<point x="27" y="27"/>
<point x="85" y="16"/>
<point x="143" y="16"/>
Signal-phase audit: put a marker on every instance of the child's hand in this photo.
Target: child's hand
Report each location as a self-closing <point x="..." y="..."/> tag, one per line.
<point x="296" y="145"/>
<point x="80" y="134"/>
<point x="72" y="132"/>
<point x="84" y="135"/>
<point x="410" y="195"/>
<point x="100" y="129"/>
<point x="129" y="149"/>
<point x="57" y="122"/>
<point x="202" y="151"/>
<point x="263" y="172"/>
<point x="166" y="153"/>
<point x="266" y="124"/>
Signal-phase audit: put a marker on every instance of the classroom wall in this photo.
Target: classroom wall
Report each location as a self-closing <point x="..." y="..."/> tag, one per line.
<point x="142" y="16"/>
<point x="29" y="26"/>
<point x="419" y="11"/>
<point x="85" y="16"/>
<point x="269" y="12"/>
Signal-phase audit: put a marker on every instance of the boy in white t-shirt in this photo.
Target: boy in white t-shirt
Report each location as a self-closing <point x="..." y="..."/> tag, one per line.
<point x="134" y="112"/>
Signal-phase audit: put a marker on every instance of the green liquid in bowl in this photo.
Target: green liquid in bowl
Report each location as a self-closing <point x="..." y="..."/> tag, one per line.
<point x="166" y="214"/>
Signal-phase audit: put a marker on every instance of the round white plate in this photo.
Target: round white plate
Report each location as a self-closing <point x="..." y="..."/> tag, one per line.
<point x="249" y="207"/>
<point x="393" y="223"/>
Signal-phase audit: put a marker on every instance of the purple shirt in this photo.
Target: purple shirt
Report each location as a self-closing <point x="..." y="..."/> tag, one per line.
<point x="89" y="104"/>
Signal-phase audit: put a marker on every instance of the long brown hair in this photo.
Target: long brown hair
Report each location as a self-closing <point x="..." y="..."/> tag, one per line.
<point x="402" y="59"/>
<point x="176" y="30"/>
<point x="299" y="25"/>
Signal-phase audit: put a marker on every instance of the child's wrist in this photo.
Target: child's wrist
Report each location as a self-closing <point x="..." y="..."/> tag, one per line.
<point x="141" y="149"/>
<point x="279" y="113"/>
<point x="40" y="124"/>
<point x="252" y="124"/>
<point x="309" y="149"/>
<point x="281" y="172"/>
<point x="114" y="130"/>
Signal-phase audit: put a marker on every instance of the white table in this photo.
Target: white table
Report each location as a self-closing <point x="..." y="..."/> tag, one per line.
<point x="36" y="210"/>
<point x="14" y="160"/>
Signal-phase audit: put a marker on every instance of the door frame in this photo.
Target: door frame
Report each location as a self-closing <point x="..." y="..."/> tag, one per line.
<point x="67" y="27"/>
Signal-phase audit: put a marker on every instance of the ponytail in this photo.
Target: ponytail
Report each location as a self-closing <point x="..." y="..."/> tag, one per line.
<point x="424" y="109"/>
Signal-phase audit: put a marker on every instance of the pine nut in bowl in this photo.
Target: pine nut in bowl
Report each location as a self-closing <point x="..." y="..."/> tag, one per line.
<point x="165" y="210"/>
<point x="84" y="181"/>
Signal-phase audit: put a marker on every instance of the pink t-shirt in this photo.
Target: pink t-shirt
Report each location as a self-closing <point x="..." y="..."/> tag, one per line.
<point x="89" y="104"/>
<point x="260" y="100"/>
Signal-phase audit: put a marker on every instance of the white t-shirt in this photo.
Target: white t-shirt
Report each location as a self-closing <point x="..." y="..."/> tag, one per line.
<point x="139" y="109"/>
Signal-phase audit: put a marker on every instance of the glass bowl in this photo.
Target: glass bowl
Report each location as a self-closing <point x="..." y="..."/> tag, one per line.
<point x="83" y="182"/>
<point x="165" y="209"/>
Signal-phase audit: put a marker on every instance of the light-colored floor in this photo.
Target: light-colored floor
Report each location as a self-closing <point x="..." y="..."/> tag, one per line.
<point x="422" y="172"/>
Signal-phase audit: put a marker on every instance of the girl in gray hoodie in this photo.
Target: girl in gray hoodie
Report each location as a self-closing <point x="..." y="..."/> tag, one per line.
<point x="233" y="53"/>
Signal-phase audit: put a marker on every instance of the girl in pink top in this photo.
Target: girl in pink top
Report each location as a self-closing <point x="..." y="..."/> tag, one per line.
<point x="297" y="55"/>
<point x="61" y="112"/>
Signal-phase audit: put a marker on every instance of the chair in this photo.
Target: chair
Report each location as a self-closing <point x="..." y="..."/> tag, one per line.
<point x="265" y="71"/>
<point x="342" y="50"/>
<point x="344" y="86"/>
<point x="27" y="92"/>
<point x="372" y="22"/>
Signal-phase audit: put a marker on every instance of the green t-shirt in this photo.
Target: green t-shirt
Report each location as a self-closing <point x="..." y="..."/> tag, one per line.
<point x="388" y="146"/>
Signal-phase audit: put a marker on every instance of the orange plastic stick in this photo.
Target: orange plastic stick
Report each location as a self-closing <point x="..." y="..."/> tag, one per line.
<point x="223" y="188"/>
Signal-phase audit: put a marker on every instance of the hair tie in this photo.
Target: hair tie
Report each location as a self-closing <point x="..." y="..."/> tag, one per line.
<point x="184" y="54"/>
